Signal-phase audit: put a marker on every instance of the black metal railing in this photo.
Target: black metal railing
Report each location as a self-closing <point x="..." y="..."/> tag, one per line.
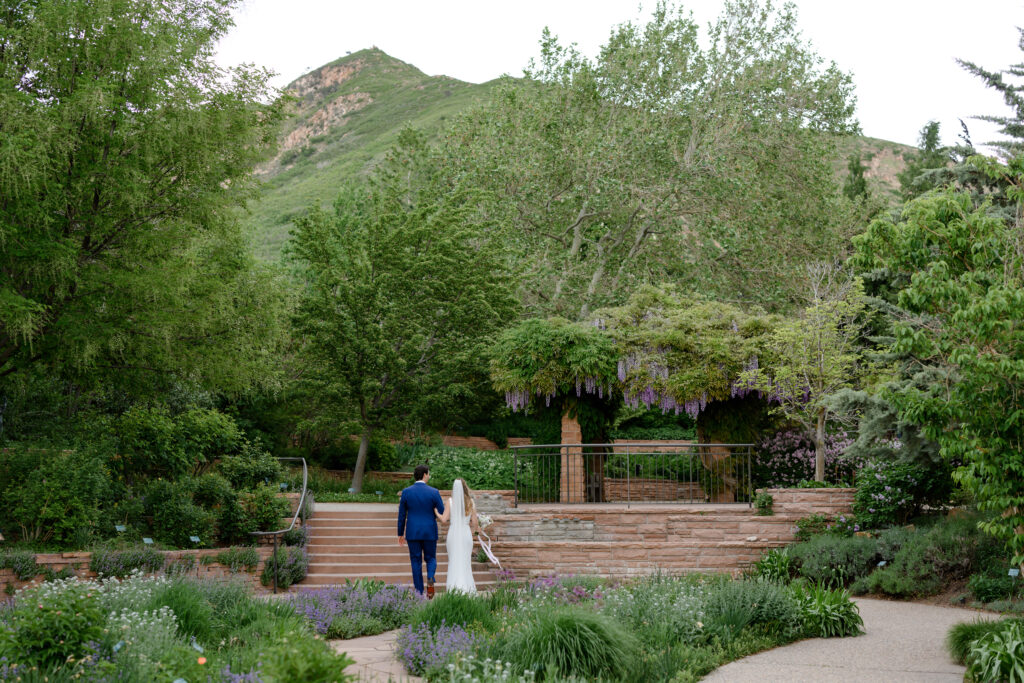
<point x="300" y="511"/>
<point x="679" y="472"/>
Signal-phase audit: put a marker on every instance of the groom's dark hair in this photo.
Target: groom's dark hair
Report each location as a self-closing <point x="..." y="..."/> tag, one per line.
<point x="421" y="471"/>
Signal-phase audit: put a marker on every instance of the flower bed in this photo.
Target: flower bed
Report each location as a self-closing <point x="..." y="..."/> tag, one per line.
<point x="355" y="609"/>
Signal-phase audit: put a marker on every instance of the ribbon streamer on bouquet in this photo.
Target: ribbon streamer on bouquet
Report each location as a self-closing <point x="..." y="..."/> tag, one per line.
<point x="485" y="545"/>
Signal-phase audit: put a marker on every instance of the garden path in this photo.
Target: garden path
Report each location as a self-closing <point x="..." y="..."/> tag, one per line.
<point x="375" y="658"/>
<point x="903" y="641"/>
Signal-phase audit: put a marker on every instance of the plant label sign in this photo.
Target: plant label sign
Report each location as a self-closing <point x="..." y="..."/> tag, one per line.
<point x="147" y="540"/>
<point x="1014" y="572"/>
<point x="194" y="539"/>
<point x="120" y="528"/>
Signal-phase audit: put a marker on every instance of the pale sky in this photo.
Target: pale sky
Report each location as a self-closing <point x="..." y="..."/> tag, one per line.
<point x="901" y="52"/>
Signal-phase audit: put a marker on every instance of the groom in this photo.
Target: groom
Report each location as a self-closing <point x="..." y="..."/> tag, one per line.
<point x="418" y="503"/>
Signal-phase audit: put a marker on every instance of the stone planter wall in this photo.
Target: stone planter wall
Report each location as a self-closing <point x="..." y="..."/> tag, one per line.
<point x="651" y="490"/>
<point x="805" y="502"/>
<point x="79" y="563"/>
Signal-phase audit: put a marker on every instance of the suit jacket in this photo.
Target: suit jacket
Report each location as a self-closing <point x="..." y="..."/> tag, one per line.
<point x="416" y="507"/>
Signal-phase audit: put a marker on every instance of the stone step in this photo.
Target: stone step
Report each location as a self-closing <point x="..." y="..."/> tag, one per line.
<point x="362" y="522"/>
<point x="403" y="577"/>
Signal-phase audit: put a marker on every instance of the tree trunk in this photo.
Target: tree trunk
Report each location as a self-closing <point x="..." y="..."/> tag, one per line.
<point x="819" y="447"/>
<point x="364" y="448"/>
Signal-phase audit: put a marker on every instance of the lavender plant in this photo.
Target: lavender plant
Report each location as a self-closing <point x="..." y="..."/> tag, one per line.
<point x="355" y="610"/>
<point x="422" y="650"/>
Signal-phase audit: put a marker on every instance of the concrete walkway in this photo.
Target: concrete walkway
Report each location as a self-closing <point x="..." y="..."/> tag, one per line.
<point x="903" y="641"/>
<point x="375" y="658"/>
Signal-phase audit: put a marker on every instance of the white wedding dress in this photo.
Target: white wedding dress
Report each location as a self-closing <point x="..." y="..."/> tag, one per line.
<point x="459" y="544"/>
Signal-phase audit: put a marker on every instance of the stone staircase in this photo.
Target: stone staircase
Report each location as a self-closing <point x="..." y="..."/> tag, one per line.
<point x="359" y="541"/>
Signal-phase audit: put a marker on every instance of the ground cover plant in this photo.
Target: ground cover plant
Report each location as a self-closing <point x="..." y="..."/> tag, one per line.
<point x="143" y="628"/>
<point x="657" y="628"/>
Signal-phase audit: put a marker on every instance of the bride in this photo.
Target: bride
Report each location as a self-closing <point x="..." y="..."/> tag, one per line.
<point x="464" y="522"/>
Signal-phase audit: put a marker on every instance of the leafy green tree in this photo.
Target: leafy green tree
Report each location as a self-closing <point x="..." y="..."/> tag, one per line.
<point x="920" y="175"/>
<point x="126" y="155"/>
<point x="666" y="158"/>
<point x="814" y="355"/>
<point x="958" y="273"/>
<point x="856" y="184"/>
<point x="401" y="293"/>
<point x="1007" y="83"/>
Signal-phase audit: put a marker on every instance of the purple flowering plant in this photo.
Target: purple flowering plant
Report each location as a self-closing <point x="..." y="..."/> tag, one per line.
<point x="787" y="458"/>
<point x="355" y="609"/>
<point x="422" y="650"/>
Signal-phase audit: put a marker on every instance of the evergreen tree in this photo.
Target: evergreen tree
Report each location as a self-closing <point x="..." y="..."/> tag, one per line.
<point x="918" y="176"/>
<point x="856" y="184"/>
<point x="1011" y="126"/>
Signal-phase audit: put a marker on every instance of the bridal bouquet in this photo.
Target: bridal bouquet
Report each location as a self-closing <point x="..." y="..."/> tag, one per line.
<point x="485" y="521"/>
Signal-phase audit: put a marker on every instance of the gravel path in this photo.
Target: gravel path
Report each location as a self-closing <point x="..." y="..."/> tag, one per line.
<point x="903" y="641"/>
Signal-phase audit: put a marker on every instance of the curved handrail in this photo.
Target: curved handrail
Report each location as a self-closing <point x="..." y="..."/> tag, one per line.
<point x="295" y="517"/>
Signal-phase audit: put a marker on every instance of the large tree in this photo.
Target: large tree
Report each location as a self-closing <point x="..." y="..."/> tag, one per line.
<point x="126" y="156"/>
<point x="958" y="275"/>
<point x="401" y="292"/>
<point x="668" y="157"/>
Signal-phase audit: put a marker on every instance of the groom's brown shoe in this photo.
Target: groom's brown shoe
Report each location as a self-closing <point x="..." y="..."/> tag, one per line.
<point x="430" y="589"/>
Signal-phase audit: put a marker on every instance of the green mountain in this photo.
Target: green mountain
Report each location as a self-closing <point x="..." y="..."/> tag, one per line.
<point x="347" y="113"/>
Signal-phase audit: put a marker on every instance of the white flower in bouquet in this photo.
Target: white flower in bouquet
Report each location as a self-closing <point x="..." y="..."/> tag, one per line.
<point x="485" y="521"/>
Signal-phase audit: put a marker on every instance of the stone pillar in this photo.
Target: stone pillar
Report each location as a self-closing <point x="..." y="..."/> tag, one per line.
<point x="573" y="488"/>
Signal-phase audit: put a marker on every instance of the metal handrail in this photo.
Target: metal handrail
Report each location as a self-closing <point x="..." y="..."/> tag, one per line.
<point x="635" y="449"/>
<point x="295" y="517"/>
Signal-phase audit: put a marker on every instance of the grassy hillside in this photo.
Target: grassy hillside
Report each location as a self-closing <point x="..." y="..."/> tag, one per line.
<point x="349" y="112"/>
<point x="346" y="115"/>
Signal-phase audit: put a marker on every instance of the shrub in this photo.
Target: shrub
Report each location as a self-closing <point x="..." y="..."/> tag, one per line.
<point x="21" y="562"/>
<point x="121" y="563"/>
<point x="828" y="613"/>
<point x="834" y="560"/>
<point x="265" y="508"/>
<point x="238" y="558"/>
<point x="250" y="468"/>
<point x="962" y="637"/>
<point x="810" y="526"/>
<point x="764" y="502"/>
<point x="991" y="586"/>
<point x="305" y="659"/>
<point x="421" y="649"/>
<point x="356" y="609"/>
<point x="571" y="641"/>
<point x="50" y="623"/>
<point x="299" y="536"/>
<point x="52" y="496"/>
<point x="890" y="492"/>
<point x="661" y="610"/>
<point x="291" y="564"/>
<point x="175" y="516"/>
<point x="455" y="608"/>
<point x="774" y="565"/>
<point x="206" y="435"/>
<point x="998" y="655"/>
<point x="731" y="606"/>
<point x="787" y="458"/>
<point x="479" y="469"/>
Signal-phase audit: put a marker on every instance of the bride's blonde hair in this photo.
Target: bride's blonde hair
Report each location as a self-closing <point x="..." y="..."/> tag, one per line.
<point x="467" y="499"/>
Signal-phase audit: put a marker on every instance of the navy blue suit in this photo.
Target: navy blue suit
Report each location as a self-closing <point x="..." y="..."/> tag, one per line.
<point x="417" y="523"/>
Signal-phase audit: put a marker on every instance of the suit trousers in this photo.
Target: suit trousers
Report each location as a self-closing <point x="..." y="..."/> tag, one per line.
<point x="419" y="551"/>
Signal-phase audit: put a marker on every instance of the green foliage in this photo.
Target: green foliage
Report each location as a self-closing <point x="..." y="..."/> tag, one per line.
<point x="654" y="425"/>
<point x="176" y="517"/>
<point x="21" y="562"/>
<point x="51" y="496"/>
<point x="763" y="503"/>
<point x="239" y="558"/>
<point x="121" y="563"/>
<point x="962" y="637"/>
<point x="550" y="357"/>
<point x="918" y="176"/>
<point x="833" y="560"/>
<point x="57" y="623"/>
<point x="455" y="608"/>
<point x="774" y="565"/>
<point x="991" y="586"/>
<point x="828" y="613"/>
<point x="578" y="159"/>
<point x="956" y="271"/>
<point x="998" y="655"/>
<point x="265" y="508"/>
<point x="193" y="612"/>
<point x="401" y="292"/>
<point x="291" y="564"/>
<point x="890" y="492"/>
<point x="930" y="559"/>
<point x="571" y="641"/>
<point x="856" y="185"/>
<point x="481" y="470"/>
<point x="120" y="185"/>
<point x="734" y="605"/>
<point x="250" y="468"/>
